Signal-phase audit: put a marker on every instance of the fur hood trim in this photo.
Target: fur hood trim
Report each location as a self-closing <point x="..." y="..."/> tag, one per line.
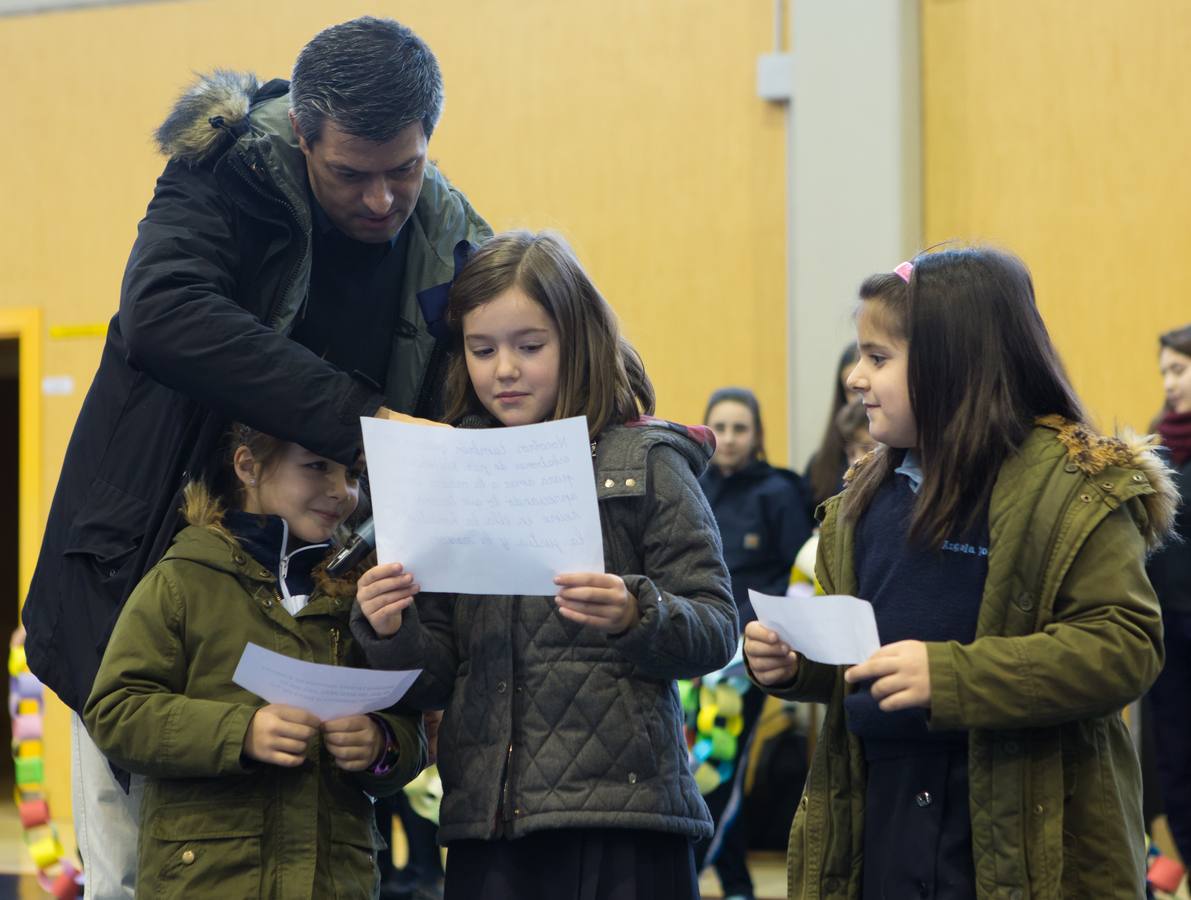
<point x="1092" y="453"/>
<point x="202" y="509"/>
<point x="215" y="107"/>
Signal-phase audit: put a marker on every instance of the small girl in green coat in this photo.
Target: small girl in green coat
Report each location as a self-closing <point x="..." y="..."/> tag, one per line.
<point x="246" y="799"/>
<point x="980" y="752"/>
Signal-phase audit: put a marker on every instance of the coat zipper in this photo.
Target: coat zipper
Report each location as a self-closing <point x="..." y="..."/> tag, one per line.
<point x="505" y="815"/>
<point x="334" y="646"/>
<point x="243" y="169"/>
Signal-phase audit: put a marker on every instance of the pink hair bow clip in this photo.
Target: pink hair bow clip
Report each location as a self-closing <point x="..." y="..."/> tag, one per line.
<point x="903" y="271"/>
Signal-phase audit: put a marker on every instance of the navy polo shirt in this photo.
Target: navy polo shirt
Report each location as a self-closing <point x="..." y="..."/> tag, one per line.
<point x="917" y="834"/>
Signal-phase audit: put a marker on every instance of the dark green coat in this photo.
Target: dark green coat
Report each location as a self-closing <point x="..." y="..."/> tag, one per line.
<point x="1069" y="633"/>
<point x="214" y="824"/>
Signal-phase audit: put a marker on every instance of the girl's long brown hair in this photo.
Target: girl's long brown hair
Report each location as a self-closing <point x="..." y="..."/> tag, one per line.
<point x="600" y="375"/>
<point x="981" y="369"/>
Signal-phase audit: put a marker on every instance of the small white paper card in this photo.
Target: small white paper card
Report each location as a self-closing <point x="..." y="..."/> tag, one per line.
<point x="330" y="692"/>
<point x="836" y="629"/>
<point x="485" y="510"/>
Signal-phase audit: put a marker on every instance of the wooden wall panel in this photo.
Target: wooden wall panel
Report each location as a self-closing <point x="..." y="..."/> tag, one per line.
<point x="1059" y="129"/>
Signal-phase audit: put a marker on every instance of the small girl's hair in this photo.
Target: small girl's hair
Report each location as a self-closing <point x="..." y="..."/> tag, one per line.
<point x="981" y="369"/>
<point x="829" y="460"/>
<point x="744" y="397"/>
<point x="266" y="450"/>
<point x="600" y="375"/>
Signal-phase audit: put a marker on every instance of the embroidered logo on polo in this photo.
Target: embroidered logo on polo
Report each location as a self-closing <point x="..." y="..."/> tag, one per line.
<point x="967" y="549"/>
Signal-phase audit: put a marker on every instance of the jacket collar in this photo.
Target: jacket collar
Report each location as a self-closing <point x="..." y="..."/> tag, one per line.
<point x="209" y="542"/>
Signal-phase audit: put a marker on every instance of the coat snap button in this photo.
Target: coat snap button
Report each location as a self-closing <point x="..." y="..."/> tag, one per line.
<point x="1025" y="602"/>
<point x="1139" y="477"/>
<point x="630" y="482"/>
<point x="1107" y="485"/>
<point x="501" y="687"/>
<point x="1038" y="809"/>
<point x="238" y="559"/>
<point x="1086" y="498"/>
<point x="268" y="604"/>
<point x="924" y="799"/>
<point x="632" y="777"/>
<point x="187" y="857"/>
<point x="608" y="482"/>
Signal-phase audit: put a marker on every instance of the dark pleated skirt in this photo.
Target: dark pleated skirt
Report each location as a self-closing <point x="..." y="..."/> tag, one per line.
<point x="574" y="864"/>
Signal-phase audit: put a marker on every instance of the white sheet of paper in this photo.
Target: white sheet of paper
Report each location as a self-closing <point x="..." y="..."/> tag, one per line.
<point x="835" y="629"/>
<point x="330" y="692"/>
<point x="485" y="510"/>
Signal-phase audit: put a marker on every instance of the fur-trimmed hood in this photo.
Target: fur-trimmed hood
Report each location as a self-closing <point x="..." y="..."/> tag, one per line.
<point x="203" y="510"/>
<point x="1094" y="454"/>
<point x="213" y="108"/>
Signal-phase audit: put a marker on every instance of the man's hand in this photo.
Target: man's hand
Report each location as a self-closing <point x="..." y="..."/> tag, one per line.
<point x="383" y="592"/>
<point x="598" y="600"/>
<point x="770" y="660"/>
<point x="279" y="735"/>
<point x="385" y="413"/>
<point x="355" y="742"/>
<point x="902" y="673"/>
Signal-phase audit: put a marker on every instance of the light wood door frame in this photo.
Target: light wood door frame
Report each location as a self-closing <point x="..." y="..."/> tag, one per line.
<point x="24" y="324"/>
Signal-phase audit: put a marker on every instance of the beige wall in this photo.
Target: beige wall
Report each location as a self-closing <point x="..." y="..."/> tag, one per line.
<point x="631" y="126"/>
<point x="1059" y="129"/>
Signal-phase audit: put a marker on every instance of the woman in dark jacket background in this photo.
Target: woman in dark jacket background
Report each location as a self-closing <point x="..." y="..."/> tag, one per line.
<point x="1170" y="572"/>
<point x="761" y="509"/>
<point x="762" y="512"/>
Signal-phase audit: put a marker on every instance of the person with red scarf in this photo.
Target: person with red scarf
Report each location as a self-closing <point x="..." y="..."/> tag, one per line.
<point x="1170" y="572"/>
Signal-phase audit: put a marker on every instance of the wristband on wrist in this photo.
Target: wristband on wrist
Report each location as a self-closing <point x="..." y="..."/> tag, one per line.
<point x="389" y="754"/>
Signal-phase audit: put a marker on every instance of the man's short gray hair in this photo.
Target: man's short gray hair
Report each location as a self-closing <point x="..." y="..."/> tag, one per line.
<point x="371" y="77"/>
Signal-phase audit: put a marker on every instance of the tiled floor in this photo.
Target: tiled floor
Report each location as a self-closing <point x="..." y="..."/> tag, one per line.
<point x="769" y="878"/>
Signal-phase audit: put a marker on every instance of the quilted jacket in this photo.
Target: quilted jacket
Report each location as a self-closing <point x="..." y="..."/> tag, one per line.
<point x="549" y="724"/>
<point x="1069" y="633"/>
<point x="213" y="823"/>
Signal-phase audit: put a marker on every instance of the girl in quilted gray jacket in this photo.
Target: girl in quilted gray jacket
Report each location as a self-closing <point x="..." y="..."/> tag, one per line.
<point x="564" y="768"/>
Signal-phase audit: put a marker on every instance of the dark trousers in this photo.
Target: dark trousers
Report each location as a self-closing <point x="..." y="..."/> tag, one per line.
<point x="1170" y="706"/>
<point x="574" y="864"/>
<point x="727" y="849"/>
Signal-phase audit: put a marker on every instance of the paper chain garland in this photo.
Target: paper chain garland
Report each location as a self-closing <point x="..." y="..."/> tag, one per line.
<point x="714" y="721"/>
<point x="55" y="873"/>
